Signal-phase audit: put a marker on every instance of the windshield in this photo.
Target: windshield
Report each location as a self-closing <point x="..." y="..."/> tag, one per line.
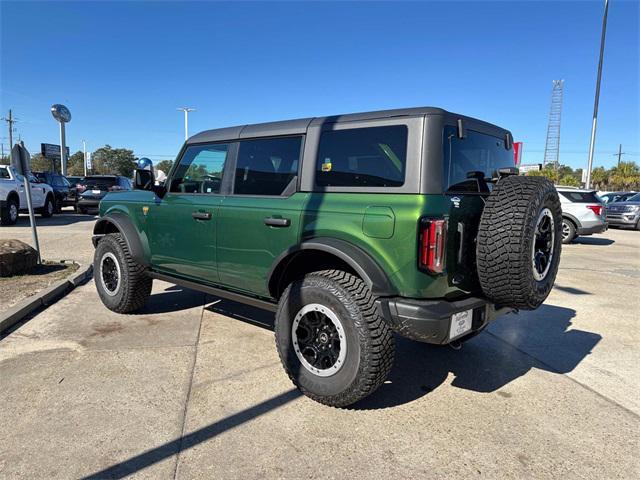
<point x="478" y="152"/>
<point x="635" y="198"/>
<point x="99" y="183"/>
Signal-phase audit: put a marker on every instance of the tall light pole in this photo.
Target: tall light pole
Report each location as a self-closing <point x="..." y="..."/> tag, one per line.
<point x="592" y="142"/>
<point x="84" y="156"/>
<point x="186" y="111"/>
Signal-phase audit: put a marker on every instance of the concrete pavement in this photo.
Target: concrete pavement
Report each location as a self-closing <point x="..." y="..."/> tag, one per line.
<point x="192" y="388"/>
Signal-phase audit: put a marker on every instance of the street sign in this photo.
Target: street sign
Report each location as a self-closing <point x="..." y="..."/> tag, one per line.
<point x="20" y="160"/>
<point x="50" y="150"/>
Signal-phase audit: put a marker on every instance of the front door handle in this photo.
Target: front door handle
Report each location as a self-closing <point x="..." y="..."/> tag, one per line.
<point x="201" y="215"/>
<point x="277" y="222"/>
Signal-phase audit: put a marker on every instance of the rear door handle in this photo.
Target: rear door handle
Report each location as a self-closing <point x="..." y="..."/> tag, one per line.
<point x="277" y="222"/>
<point x="201" y="215"/>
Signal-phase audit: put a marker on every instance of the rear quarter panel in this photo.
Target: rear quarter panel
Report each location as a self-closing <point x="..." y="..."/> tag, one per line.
<point x="363" y="220"/>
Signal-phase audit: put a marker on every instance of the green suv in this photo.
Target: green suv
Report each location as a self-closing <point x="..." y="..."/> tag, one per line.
<point x="349" y="228"/>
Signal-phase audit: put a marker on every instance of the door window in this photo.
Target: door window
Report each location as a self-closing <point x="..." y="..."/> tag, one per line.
<point x="200" y="169"/>
<point x="266" y="166"/>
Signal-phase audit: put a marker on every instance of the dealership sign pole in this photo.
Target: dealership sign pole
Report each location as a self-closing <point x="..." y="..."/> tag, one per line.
<point x="62" y="115"/>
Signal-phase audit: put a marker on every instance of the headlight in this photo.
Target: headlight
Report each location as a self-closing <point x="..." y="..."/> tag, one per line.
<point x="632" y="208"/>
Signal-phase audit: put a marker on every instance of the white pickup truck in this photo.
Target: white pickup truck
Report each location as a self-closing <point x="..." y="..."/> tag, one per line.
<point x="13" y="198"/>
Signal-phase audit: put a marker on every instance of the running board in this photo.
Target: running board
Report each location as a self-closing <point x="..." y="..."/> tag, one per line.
<point x="218" y="292"/>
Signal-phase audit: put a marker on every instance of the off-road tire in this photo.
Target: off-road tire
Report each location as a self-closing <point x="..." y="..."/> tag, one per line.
<point x="5" y="213"/>
<point x="506" y="239"/>
<point x="370" y="342"/>
<point x="135" y="285"/>
<point x="48" y="209"/>
<point x="572" y="231"/>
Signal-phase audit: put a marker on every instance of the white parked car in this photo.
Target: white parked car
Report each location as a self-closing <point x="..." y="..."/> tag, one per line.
<point x="13" y="198"/>
<point x="582" y="213"/>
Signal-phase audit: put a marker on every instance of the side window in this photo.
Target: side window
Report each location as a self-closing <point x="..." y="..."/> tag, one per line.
<point x="362" y="157"/>
<point x="200" y="169"/>
<point x="266" y="166"/>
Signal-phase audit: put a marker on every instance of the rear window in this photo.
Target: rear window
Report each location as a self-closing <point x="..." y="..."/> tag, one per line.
<point x="362" y="157"/>
<point x="100" y="183"/>
<point x="478" y="152"/>
<point x="4" y="173"/>
<point x="581" y="197"/>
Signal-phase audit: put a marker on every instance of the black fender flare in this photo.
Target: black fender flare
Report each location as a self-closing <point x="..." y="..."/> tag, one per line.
<point x="125" y="226"/>
<point x="359" y="260"/>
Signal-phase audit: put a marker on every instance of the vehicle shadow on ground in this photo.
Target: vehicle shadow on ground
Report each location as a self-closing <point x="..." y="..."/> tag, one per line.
<point x="172" y="299"/>
<point x="511" y="347"/>
<point x="593" y="241"/>
<point x="54" y="221"/>
<point x="487" y="363"/>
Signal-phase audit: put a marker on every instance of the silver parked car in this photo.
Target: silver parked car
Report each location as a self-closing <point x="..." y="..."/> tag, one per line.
<point x="582" y="213"/>
<point x="626" y="213"/>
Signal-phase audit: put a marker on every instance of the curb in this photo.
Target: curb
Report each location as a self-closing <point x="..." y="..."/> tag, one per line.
<point x="45" y="298"/>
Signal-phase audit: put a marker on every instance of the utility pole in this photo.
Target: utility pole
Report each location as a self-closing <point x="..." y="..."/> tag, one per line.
<point x="619" y="154"/>
<point x="10" y="120"/>
<point x="186" y="111"/>
<point x="592" y="141"/>
<point x="84" y="156"/>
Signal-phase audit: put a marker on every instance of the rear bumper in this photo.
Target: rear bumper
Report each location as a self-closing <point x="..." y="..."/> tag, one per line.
<point x="590" y="230"/>
<point x="623" y="219"/>
<point x="88" y="203"/>
<point x="429" y="321"/>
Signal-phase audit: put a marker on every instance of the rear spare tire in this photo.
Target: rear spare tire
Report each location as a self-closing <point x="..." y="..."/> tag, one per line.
<point x="519" y="242"/>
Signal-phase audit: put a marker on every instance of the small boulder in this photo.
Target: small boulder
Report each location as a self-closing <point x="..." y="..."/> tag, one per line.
<point x="16" y="257"/>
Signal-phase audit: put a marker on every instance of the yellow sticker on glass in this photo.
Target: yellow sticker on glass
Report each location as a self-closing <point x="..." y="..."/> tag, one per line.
<point x="326" y="167"/>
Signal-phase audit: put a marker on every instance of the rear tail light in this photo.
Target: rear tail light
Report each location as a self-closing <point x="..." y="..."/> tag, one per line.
<point x="597" y="209"/>
<point x="432" y="240"/>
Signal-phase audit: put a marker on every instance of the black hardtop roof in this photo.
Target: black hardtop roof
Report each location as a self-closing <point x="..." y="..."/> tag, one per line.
<point x="299" y="126"/>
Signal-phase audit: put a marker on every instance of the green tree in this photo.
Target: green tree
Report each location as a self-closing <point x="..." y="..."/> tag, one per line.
<point x="114" y="161"/>
<point x="625" y="175"/>
<point x="44" y="164"/>
<point x="599" y="178"/>
<point x="164" y="165"/>
<point x="75" y="164"/>
<point x="569" y="181"/>
<point x="548" y="172"/>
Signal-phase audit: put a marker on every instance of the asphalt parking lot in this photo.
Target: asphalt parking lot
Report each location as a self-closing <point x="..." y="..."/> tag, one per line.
<point x="192" y="387"/>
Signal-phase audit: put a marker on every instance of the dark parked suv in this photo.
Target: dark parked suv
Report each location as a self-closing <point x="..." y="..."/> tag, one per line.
<point x="96" y="187"/>
<point x="349" y="228"/>
<point x="61" y="188"/>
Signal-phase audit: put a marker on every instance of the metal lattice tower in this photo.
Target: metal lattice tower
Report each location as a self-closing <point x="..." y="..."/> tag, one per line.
<point x="552" y="147"/>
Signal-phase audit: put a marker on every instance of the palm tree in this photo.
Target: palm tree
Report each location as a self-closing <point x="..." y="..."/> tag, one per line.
<point x="625" y="175"/>
<point x="599" y="177"/>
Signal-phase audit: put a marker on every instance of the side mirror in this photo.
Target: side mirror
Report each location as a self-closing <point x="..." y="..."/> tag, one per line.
<point x="144" y="178"/>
